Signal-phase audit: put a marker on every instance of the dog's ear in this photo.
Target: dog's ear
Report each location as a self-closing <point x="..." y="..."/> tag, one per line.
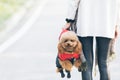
<point x="60" y="48"/>
<point x="78" y="48"/>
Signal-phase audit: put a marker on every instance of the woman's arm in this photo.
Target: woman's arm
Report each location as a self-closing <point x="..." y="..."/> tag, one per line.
<point x="72" y="7"/>
<point x="118" y="21"/>
<point x="116" y="31"/>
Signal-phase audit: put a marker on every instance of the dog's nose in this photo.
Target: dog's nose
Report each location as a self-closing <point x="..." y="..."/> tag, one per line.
<point x="68" y="44"/>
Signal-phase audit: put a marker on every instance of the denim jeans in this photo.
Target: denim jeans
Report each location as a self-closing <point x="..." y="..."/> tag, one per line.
<point x="102" y="45"/>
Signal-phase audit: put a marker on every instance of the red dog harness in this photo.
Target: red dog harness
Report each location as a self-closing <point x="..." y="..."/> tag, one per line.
<point x="62" y="32"/>
<point x="67" y="56"/>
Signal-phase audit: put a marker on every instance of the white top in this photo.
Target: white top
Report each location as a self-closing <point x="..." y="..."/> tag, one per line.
<point x="95" y="17"/>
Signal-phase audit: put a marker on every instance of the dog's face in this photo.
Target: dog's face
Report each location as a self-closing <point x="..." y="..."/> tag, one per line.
<point x="69" y="42"/>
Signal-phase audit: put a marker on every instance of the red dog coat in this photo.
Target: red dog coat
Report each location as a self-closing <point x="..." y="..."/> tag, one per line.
<point x="67" y="56"/>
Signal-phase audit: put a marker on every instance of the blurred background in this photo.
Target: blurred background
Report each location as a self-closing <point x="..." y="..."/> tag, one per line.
<point x="8" y="8"/>
<point x="29" y="31"/>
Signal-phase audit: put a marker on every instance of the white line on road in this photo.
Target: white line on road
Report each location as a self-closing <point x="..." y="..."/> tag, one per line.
<point x="24" y="28"/>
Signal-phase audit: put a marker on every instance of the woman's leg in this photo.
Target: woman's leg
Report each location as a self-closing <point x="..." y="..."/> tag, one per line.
<point x="87" y="45"/>
<point x="102" y="53"/>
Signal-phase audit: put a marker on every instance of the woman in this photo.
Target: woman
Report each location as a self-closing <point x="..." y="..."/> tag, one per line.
<point x="96" y="19"/>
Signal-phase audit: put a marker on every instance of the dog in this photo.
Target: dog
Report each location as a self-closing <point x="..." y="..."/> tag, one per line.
<point x="69" y="52"/>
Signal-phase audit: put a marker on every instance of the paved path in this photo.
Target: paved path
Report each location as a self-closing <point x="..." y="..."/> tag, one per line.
<point x="32" y="57"/>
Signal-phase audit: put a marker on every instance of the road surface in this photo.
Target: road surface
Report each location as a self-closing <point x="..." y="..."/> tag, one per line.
<point x="32" y="57"/>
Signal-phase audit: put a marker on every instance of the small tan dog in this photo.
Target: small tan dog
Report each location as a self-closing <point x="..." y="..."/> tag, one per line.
<point x="69" y="52"/>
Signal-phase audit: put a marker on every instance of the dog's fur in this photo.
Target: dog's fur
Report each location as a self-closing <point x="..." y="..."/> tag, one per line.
<point x="69" y="43"/>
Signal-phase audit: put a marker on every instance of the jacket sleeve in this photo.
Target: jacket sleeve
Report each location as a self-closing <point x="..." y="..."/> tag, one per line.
<point x="72" y="7"/>
<point x="118" y="16"/>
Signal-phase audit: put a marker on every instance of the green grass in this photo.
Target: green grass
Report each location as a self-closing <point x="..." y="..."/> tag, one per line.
<point x="9" y="7"/>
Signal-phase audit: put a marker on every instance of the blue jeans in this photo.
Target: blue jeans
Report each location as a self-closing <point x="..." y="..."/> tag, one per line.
<point x="102" y="45"/>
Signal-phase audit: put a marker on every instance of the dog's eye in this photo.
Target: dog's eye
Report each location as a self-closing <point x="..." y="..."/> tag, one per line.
<point x="65" y="40"/>
<point x="72" y="40"/>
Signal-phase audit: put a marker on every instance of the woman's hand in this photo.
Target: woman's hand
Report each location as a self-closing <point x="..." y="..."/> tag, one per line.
<point x="67" y="25"/>
<point x="116" y="32"/>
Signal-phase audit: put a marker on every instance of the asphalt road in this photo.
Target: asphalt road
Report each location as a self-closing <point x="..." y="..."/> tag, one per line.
<point x="32" y="57"/>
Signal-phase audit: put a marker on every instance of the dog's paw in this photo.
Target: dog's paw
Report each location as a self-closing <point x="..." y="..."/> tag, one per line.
<point x="68" y="75"/>
<point x="83" y="67"/>
<point x="62" y="75"/>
